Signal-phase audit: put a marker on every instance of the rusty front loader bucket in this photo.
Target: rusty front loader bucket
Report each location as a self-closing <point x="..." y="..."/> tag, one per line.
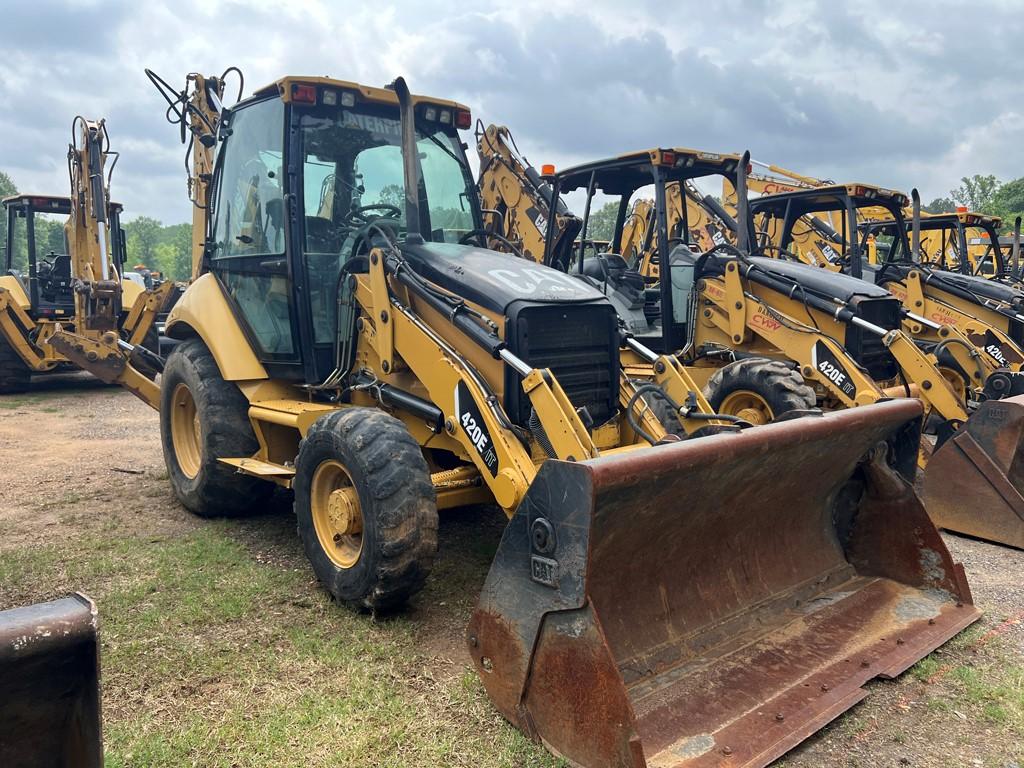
<point x="714" y="602"/>
<point x="974" y="482"/>
<point x="49" y="686"/>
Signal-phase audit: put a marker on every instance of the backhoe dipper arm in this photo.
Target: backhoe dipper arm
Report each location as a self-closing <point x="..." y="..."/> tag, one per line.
<point x="97" y="276"/>
<point x="517" y="199"/>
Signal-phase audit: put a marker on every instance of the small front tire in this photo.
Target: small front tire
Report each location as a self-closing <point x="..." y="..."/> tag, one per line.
<point x="758" y="390"/>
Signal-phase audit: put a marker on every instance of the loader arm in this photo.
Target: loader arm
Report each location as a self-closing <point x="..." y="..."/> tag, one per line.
<point x="471" y="412"/>
<point x="986" y="326"/>
<point x="15" y="327"/>
<point x="743" y="312"/>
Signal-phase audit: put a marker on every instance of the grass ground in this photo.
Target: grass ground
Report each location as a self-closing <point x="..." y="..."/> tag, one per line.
<point x="219" y="649"/>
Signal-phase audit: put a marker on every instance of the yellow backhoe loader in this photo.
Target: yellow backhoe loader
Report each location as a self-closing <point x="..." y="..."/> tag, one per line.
<point x="965" y="323"/>
<point x="652" y="598"/>
<point x="843" y="335"/>
<point x="64" y="260"/>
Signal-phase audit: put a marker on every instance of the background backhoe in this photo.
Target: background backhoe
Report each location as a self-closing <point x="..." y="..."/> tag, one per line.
<point x="767" y="337"/>
<point x="64" y="259"/>
<point x="965" y="323"/>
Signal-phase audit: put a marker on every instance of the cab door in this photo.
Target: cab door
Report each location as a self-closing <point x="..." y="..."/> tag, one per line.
<point x="247" y="244"/>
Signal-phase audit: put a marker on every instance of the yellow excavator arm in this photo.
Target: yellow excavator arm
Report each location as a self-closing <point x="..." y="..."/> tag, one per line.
<point x="516" y="201"/>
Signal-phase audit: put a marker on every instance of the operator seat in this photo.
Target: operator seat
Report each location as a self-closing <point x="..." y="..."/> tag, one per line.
<point x="61" y="267"/>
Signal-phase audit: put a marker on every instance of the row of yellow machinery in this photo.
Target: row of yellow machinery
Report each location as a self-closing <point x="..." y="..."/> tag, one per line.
<point x="706" y="453"/>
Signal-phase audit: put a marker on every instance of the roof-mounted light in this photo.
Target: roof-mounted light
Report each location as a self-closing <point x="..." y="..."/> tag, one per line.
<point x="463" y="119"/>
<point x="430" y="113"/>
<point x="348" y="99"/>
<point x="445" y="117"/>
<point x="304" y="94"/>
<point x="329" y="98"/>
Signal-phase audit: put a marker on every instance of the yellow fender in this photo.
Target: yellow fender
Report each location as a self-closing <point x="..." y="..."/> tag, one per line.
<point x="130" y="292"/>
<point x="204" y="311"/>
<point x="13" y="285"/>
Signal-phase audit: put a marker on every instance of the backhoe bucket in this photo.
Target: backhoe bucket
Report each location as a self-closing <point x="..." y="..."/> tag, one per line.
<point x="974" y="482"/>
<point x="49" y="686"/>
<point x="715" y="601"/>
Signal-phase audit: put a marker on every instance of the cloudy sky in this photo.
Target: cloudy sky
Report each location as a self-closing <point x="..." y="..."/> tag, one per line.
<point x="899" y="94"/>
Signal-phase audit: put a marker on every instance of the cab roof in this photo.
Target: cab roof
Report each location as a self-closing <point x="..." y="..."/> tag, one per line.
<point x="285" y="89"/>
<point x="624" y="173"/>
<point x="827" y="198"/>
<point x="62" y="204"/>
<point x="940" y="220"/>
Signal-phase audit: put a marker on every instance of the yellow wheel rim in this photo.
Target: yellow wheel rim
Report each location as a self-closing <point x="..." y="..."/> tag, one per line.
<point x="956" y="381"/>
<point x="337" y="515"/>
<point x="186" y="432"/>
<point x="748" y="406"/>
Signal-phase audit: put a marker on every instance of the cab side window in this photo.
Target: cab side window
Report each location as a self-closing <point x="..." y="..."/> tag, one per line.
<point x="250" y="211"/>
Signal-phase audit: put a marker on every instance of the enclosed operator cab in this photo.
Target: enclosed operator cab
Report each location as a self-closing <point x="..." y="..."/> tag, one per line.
<point x="38" y="254"/>
<point x="308" y="175"/>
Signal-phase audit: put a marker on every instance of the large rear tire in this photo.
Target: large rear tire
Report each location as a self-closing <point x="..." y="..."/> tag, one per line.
<point x="204" y="418"/>
<point x="366" y="509"/>
<point x="15" y="376"/>
<point x="758" y="390"/>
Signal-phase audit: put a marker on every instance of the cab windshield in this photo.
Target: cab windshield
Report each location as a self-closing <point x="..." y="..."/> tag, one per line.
<point x="49" y="237"/>
<point x="353" y="182"/>
<point x="353" y="174"/>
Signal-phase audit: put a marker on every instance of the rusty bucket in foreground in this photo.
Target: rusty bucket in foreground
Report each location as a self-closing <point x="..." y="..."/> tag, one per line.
<point x="715" y="601"/>
<point x="49" y="686"/>
<point x="972" y="483"/>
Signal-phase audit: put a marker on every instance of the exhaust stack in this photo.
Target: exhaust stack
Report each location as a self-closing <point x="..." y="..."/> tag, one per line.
<point x="743" y="231"/>
<point x="410" y="162"/>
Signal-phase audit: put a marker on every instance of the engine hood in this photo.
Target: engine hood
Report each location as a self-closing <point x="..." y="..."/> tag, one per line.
<point x="982" y="286"/>
<point x="495" y="280"/>
<point x="815" y="279"/>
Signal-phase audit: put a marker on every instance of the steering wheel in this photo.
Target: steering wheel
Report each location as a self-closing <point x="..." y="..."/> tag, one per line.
<point x="357" y="216"/>
<point x="483" y="235"/>
<point x="363" y="238"/>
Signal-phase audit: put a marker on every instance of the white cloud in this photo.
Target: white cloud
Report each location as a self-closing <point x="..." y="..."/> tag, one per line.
<point x="885" y="92"/>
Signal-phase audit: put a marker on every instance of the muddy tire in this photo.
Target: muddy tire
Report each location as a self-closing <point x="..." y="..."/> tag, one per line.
<point x="365" y="508"/>
<point x="759" y="390"/>
<point x="204" y="418"/>
<point x="15" y="376"/>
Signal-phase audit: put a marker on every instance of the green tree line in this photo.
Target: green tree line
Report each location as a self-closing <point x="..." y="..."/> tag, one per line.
<point x="984" y="194"/>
